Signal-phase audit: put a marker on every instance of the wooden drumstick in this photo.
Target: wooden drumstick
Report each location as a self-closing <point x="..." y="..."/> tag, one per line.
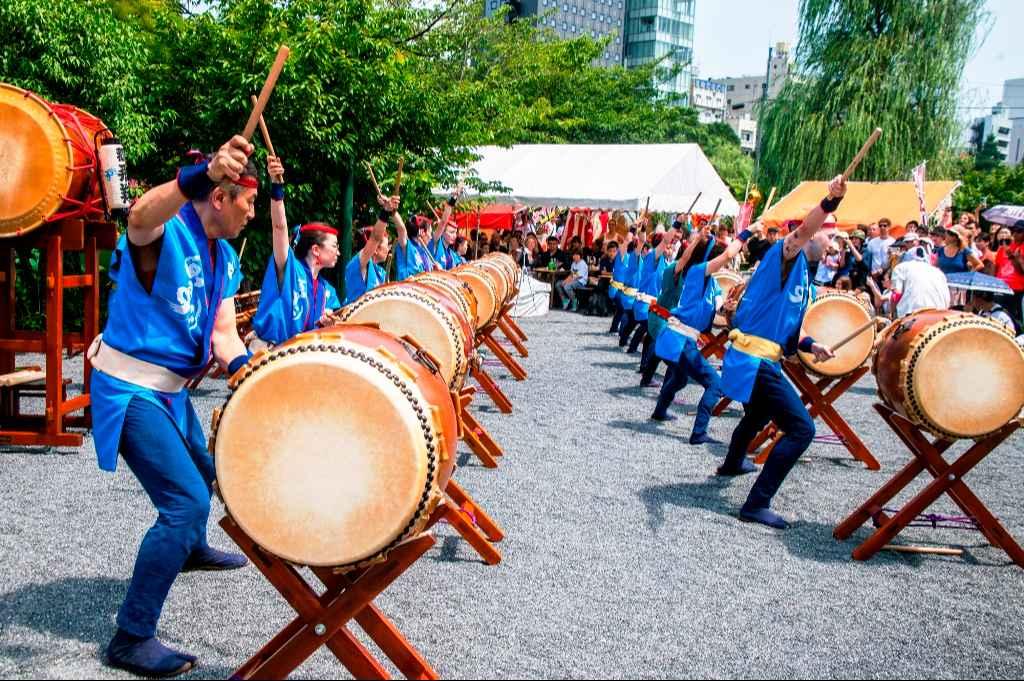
<point x="373" y="178"/>
<point x="263" y="130"/>
<point x="714" y="213"/>
<point x="862" y="153"/>
<point x="268" y="87"/>
<point x="924" y="550"/>
<point x="690" y="209"/>
<point x="398" y="176"/>
<point x="853" y="335"/>
<point x="768" y="204"/>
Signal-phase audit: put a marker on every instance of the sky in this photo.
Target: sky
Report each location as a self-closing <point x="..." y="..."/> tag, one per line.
<point x="731" y="38"/>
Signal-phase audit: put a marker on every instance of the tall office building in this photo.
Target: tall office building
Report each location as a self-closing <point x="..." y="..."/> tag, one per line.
<point x="662" y="28"/>
<point x="574" y="18"/>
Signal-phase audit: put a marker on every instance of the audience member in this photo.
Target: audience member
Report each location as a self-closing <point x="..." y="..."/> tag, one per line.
<point x="577" y="279"/>
<point x="915" y="284"/>
<point x="955" y="256"/>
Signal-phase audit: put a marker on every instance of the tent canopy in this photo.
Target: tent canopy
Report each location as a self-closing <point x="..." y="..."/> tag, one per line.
<point x="865" y="202"/>
<point x="613" y="176"/>
<point x="491" y="217"/>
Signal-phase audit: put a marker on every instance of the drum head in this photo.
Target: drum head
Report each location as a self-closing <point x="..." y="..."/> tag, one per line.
<point x="401" y="311"/>
<point x="830" y="319"/>
<point x="321" y="458"/>
<point x="34" y="157"/>
<point x="727" y="281"/>
<point x="498" y="277"/>
<point x="969" y="380"/>
<point x="483" y="289"/>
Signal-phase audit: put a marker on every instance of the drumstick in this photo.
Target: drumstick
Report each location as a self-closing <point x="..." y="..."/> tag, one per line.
<point x="862" y="153"/>
<point x="853" y="335"/>
<point x="715" y="213"/>
<point x="241" y="251"/>
<point x="268" y="87"/>
<point x="768" y="204"/>
<point x="927" y="550"/>
<point x="263" y="130"/>
<point x="373" y="178"/>
<point x="690" y="209"/>
<point x="398" y="176"/>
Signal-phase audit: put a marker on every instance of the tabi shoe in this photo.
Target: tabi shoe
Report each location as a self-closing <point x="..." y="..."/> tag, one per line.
<point x="764" y="516"/>
<point x="703" y="439"/>
<point x="207" y="558"/>
<point x="746" y="466"/>
<point x="663" y="419"/>
<point x="147" y="656"/>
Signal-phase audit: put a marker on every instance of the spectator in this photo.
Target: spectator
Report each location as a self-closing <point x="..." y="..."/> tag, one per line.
<point x="576" y="280"/>
<point x="955" y="256"/>
<point x="553" y="254"/>
<point x="854" y="272"/>
<point x="915" y="284"/>
<point x="599" y="302"/>
<point x="758" y="245"/>
<point x="515" y="248"/>
<point x="986" y="255"/>
<point x="832" y="261"/>
<point x="460" y="248"/>
<point x="984" y="305"/>
<point x="1010" y="267"/>
<point x="912" y="226"/>
<point x="530" y="252"/>
<point x="878" y="248"/>
<point x="495" y="244"/>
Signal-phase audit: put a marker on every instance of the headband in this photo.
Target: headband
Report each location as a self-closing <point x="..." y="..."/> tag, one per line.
<point x="318" y="227"/>
<point x="199" y="157"/>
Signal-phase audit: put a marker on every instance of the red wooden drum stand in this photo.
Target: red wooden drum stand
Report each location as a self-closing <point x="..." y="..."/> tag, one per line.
<point x="819" y="393"/>
<point x="948" y="479"/>
<point x="713" y="344"/>
<point x="474" y="434"/>
<point x="486" y="337"/>
<point x="513" y="337"/>
<point x="471" y="522"/>
<point x="56" y="239"/>
<point x="322" y="618"/>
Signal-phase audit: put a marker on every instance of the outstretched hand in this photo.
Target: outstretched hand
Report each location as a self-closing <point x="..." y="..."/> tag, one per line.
<point x="821" y="353"/>
<point x="230" y="160"/>
<point x="837" y="187"/>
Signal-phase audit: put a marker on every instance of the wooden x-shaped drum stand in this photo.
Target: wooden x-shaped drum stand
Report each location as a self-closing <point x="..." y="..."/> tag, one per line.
<point x="486" y="337"/>
<point x="472" y="432"/>
<point x="323" y="617"/>
<point x="948" y="479"/>
<point x="713" y="344"/>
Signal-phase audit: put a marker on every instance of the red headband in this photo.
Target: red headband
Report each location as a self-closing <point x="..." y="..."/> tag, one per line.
<point x="318" y="227"/>
<point x="247" y="181"/>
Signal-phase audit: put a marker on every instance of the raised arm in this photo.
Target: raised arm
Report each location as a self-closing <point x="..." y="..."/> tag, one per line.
<point x="278" y="219"/>
<point x="696" y="237"/>
<point x="974" y="263"/>
<point x="731" y="251"/>
<point x="380" y="229"/>
<point x="158" y="205"/>
<point x="442" y="224"/>
<point x="797" y="239"/>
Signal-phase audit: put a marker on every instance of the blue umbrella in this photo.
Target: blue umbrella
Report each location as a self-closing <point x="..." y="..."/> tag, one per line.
<point x="975" y="281"/>
<point x="1008" y="216"/>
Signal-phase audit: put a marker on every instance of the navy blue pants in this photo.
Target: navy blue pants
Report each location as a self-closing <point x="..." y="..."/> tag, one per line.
<point x="772" y="399"/>
<point x="626" y="326"/>
<point x="691" y="364"/>
<point x="617" y="317"/>
<point x="649" y="360"/>
<point x="177" y="472"/>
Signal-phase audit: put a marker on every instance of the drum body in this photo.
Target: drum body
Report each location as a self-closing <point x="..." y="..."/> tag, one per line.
<point x="727" y="280"/>
<point x="50" y="169"/>
<point x="423" y="314"/>
<point x="335" y="446"/>
<point x="508" y="264"/>
<point x="457" y="290"/>
<point x="498" y="278"/>
<point x="829" y="319"/>
<point x="732" y="302"/>
<point x="486" y="294"/>
<point x="954" y="374"/>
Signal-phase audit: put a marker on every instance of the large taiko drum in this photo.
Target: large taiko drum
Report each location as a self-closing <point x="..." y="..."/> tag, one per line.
<point x="335" y="446"/>
<point x="727" y="281"/>
<point x="48" y="162"/>
<point x="498" y="278"/>
<point x="833" y="316"/>
<point x="486" y="293"/>
<point x="508" y="264"/>
<point x="420" y="313"/>
<point x="954" y="374"/>
<point x="456" y="289"/>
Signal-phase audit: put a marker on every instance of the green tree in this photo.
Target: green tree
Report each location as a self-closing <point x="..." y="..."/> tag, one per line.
<point x="863" y="64"/>
<point x="988" y="157"/>
<point x="1000" y="184"/>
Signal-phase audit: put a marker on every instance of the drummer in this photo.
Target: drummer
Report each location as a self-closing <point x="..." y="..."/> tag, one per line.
<point x="652" y="268"/>
<point x="442" y="245"/>
<point x="767" y="322"/>
<point x="694" y="315"/>
<point x="630" y="277"/>
<point x="365" y="269"/>
<point x="171" y="310"/>
<point x="619" y="263"/>
<point x="413" y="253"/>
<point x="668" y="298"/>
<point x="294" y="297"/>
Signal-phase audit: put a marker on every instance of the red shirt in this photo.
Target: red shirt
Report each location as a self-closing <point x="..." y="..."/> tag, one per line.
<point x="1005" y="269"/>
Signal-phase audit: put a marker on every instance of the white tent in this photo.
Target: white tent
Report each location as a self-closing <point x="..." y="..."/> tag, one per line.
<point x="615" y="176"/>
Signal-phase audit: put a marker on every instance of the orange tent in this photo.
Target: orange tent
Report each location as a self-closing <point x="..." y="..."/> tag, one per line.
<point x="865" y="202"/>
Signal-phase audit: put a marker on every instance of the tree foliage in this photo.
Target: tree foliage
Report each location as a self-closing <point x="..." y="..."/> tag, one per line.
<point x="988" y="157"/>
<point x="863" y="64"/>
<point x="997" y="185"/>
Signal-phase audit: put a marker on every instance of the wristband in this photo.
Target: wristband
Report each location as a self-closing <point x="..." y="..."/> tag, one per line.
<point x="193" y="181"/>
<point x="277" y="191"/>
<point x="830" y="203"/>
<point x="385" y="215"/>
<point x="745" y="235"/>
<point x="452" y="201"/>
<point x="238" y="362"/>
<point x="806" y="344"/>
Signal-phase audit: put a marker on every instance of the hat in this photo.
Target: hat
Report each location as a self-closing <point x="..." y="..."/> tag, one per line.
<point x="910" y="239"/>
<point x="913" y="254"/>
<point x="858" y="234"/>
<point x="961" y="234"/>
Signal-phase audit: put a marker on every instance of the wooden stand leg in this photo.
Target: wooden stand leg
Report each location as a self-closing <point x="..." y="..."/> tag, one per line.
<point x="449" y="511"/>
<point x="517" y="371"/>
<point x="714" y="344"/>
<point x="722" y="405"/>
<point x="515" y="328"/>
<point x="513" y="338"/>
<point x="480" y="518"/>
<point x="321" y="619"/>
<point x="472" y="433"/>
<point x="492" y="389"/>
<point x="948" y="479"/>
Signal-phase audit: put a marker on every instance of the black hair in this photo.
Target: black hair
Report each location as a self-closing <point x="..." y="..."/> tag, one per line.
<point x="609" y="244"/>
<point x="310" y="237"/>
<point x="231" y="188"/>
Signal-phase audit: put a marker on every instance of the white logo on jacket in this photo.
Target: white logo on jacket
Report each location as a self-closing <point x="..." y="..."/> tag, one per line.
<point x="186" y="294"/>
<point x="298" y="300"/>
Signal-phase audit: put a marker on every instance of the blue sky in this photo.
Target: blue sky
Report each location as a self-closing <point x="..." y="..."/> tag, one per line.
<point x="732" y="39"/>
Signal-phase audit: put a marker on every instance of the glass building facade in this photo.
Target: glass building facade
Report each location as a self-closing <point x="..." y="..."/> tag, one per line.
<point x="658" y="28"/>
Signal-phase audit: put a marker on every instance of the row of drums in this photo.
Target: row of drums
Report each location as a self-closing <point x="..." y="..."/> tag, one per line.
<point x="336" y="446"/>
<point x="955" y="374"/>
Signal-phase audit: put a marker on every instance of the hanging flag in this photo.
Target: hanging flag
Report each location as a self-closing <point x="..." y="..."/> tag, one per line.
<point x="918" y="175"/>
<point x="743" y="219"/>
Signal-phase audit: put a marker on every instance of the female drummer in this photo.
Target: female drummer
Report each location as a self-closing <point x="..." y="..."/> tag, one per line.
<point x="294" y="297"/>
<point x="365" y="270"/>
<point x="443" y="244"/>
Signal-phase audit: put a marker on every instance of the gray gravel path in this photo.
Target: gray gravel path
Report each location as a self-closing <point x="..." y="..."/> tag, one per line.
<point x="623" y="556"/>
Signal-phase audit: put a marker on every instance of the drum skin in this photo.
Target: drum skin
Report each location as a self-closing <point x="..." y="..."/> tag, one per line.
<point x="486" y="294"/>
<point x="952" y="373"/>
<point x="829" y="319"/>
<point x="733" y="298"/>
<point x="335" y="446"/>
<point x="498" y="278"/>
<point x="727" y="280"/>
<point x="508" y="263"/>
<point x="421" y="313"/>
<point x="456" y="289"/>
<point x="47" y="161"/>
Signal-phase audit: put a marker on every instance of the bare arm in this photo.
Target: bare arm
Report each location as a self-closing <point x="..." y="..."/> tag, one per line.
<point x="226" y="343"/>
<point x="161" y="203"/>
<point x="380" y="229"/>
<point x="796" y="240"/>
<point x="442" y="224"/>
<point x="974" y="264"/>
<point x="278" y="219"/>
<point x="724" y="258"/>
<point x="691" y="246"/>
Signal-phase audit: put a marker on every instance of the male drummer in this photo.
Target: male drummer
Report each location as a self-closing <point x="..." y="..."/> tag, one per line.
<point x="172" y="308"/>
<point x="365" y="269"/>
<point x="767" y="323"/>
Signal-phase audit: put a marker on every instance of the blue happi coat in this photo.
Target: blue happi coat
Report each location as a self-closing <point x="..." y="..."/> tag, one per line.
<point x="293" y="305"/>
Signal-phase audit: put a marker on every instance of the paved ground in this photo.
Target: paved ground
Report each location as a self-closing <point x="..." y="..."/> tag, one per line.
<point x="623" y="557"/>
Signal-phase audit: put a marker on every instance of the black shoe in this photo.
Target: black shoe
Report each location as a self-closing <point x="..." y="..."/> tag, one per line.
<point x="744" y="468"/>
<point x="147" y="656"/>
<point x="703" y="439"/>
<point x="663" y="419"/>
<point x="207" y="558"/>
<point x="764" y="516"/>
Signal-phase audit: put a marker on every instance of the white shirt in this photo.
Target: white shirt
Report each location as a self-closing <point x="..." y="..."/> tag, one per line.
<point x="879" y="250"/>
<point x="581" y="270"/>
<point x="921" y="285"/>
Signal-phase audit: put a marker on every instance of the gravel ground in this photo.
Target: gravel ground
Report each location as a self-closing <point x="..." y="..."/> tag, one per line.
<point x="623" y="555"/>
